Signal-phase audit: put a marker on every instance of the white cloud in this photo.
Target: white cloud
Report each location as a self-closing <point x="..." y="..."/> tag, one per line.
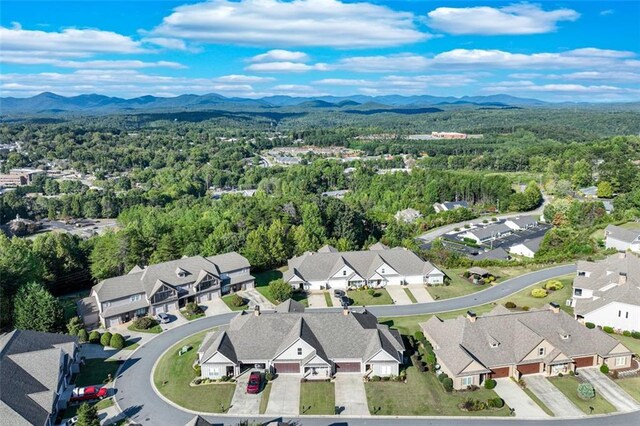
<point x="238" y="78"/>
<point x="296" y="90"/>
<point x="279" y="55"/>
<point x="295" y="23"/>
<point x="609" y="76"/>
<point x="392" y="63"/>
<point x="403" y="85"/>
<point x="286" y="67"/>
<point x="607" y="12"/>
<point x="91" y="64"/>
<point x="515" y="19"/>
<point x="564" y="91"/>
<point x="167" y="43"/>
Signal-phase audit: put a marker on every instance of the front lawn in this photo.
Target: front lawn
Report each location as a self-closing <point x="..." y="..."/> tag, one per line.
<point x="423" y="395"/>
<point x="130" y="345"/>
<point x="155" y="329"/>
<point x="265" y="277"/>
<point x="410" y="295"/>
<point x="229" y="301"/>
<point x="363" y="298"/>
<point x="95" y="371"/>
<point x="298" y="296"/>
<point x="71" y="410"/>
<point x="629" y="342"/>
<point x="266" y="392"/>
<point x="317" y="398"/>
<point x="524" y="298"/>
<point x="569" y="387"/>
<point x="631" y="385"/>
<point x="174" y="373"/>
<point x="191" y="316"/>
<point x="328" y="299"/>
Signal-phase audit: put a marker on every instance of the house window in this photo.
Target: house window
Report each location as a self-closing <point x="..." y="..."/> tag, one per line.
<point x="344" y="273"/>
<point x="467" y="381"/>
<point x="383" y="270"/>
<point x="299" y="351"/>
<point x="135" y="297"/>
<point x="577" y="292"/>
<point x="619" y="314"/>
<point x="620" y="361"/>
<point x="581" y="273"/>
<point x="541" y="351"/>
<point x="626" y="316"/>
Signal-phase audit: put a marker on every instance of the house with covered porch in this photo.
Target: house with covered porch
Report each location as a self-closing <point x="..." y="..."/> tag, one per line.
<point x="315" y="345"/>
<point x="502" y="343"/>
<point x="377" y="267"/>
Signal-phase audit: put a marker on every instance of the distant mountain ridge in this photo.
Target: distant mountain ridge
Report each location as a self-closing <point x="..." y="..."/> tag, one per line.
<point x="51" y="102"/>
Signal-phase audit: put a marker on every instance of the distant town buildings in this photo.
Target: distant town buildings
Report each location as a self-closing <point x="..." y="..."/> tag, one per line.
<point x="18" y="177"/>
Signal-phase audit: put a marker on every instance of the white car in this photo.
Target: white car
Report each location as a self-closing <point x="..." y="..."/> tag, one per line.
<point x="163" y="318"/>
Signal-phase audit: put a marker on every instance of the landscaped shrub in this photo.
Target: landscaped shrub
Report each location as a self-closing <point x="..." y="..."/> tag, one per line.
<point x="385" y="378"/>
<point x="74" y="326"/>
<point x="554" y="285"/>
<point x="626" y="333"/>
<point x="268" y="376"/>
<point x="83" y="336"/>
<point x="495" y="403"/>
<point x="430" y="358"/>
<point x="590" y="325"/>
<point x="510" y="305"/>
<point x="144" y="323"/>
<point x="105" y="339"/>
<point x="586" y="391"/>
<point x="474" y="405"/>
<point x="539" y="293"/>
<point x="490" y="384"/>
<point x="371" y="292"/>
<point x="374" y="379"/>
<point x="94" y="337"/>
<point x="635" y="334"/>
<point x="604" y="369"/>
<point x="607" y="329"/>
<point x="236" y="300"/>
<point x="280" y="290"/>
<point x="192" y="308"/>
<point x="198" y="369"/>
<point x="117" y="341"/>
<point x="525" y="308"/>
<point x="448" y="384"/>
<point x="197" y="381"/>
<point x="442" y="376"/>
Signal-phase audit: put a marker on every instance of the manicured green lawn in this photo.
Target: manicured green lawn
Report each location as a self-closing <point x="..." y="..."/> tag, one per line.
<point x="629" y="342"/>
<point x="363" y="298"/>
<point x="631" y="385"/>
<point x="155" y="329"/>
<point x="96" y="371"/>
<point x="130" y="345"/>
<point x="229" y="298"/>
<point x="317" y="398"/>
<point x="569" y="387"/>
<point x="635" y="226"/>
<point x="265" y="398"/>
<point x="265" y="277"/>
<point x="298" y="296"/>
<point x="410" y="295"/>
<point x="71" y="410"/>
<point x="68" y="302"/>
<point x="191" y="317"/>
<point x="524" y="298"/>
<point x="174" y="373"/>
<point x="541" y="404"/>
<point x="423" y="395"/>
<point x="328" y="299"/>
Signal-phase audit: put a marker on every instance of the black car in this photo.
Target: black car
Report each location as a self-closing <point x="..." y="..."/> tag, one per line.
<point x="345" y="301"/>
<point x="338" y="293"/>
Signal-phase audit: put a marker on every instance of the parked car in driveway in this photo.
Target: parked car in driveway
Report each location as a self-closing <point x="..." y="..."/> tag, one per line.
<point x="338" y="293"/>
<point x="255" y="382"/>
<point x="88" y="393"/>
<point x="345" y="301"/>
<point x="163" y="318"/>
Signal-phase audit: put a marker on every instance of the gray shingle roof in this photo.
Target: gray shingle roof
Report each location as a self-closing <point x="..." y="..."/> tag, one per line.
<point x="198" y="421"/>
<point x="490" y="231"/>
<point x="459" y="341"/>
<point x="324" y="264"/>
<point x="622" y="234"/>
<point x="524" y="221"/>
<point x="495" y="254"/>
<point x="27" y="360"/>
<point x="333" y="335"/>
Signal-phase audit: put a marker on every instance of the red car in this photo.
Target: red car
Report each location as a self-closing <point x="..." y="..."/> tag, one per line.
<point x="88" y="393"/>
<point x="255" y="380"/>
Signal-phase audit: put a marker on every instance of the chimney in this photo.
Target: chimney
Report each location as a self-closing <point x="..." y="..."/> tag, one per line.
<point x="622" y="278"/>
<point x="345" y="310"/>
<point x="471" y="316"/>
<point x="622" y="255"/>
<point x="256" y="310"/>
<point x="555" y="307"/>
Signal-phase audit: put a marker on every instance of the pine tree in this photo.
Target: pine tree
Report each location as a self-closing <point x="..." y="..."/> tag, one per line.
<point x="36" y="309"/>
<point x="88" y="415"/>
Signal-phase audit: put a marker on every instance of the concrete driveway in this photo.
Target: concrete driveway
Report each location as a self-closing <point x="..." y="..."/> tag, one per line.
<point x="215" y="307"/>
<point x="610" y="390"/>
<point x="243" y="402"/>
<point x="398" y="295"/>
<point x="517" y="399"/>
<point x="552" y="397"/>
<point x="284" y="398"/>
<point x="420" y="293"/>
<point x="350" y="395"/>
<point x="317" y="300"/>
<point x="255" y="298"/>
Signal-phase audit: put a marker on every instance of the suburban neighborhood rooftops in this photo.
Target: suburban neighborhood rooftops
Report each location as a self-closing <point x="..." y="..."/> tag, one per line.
<point x="502" y="337"/>
<point x="524" y="221"/>
<point x="622" y="234"/>
<point x="589" y="191"/>
<point x="532" y="244"/>
<point x="489" y="231"/>
<point x="335" y="335"/>
<point x="495" y="254"/>
<point x="198" y="421"/>
<point x="29" y="374"/>
<point x="407" y="215"/>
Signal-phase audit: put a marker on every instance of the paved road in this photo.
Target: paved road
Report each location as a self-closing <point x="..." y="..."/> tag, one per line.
<point x="137" y="399"/>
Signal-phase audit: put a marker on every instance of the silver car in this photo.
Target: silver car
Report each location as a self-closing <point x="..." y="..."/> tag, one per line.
<point x="163" y="318"/>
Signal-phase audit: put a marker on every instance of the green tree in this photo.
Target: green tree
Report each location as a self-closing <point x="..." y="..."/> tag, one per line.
<point x="277" y="243"/>
<point x="256" y="248"/>
<point x="107" y="256"/>
<point x="36" y="309"/>
<point x="74" y="326"/>
<point x="581" y="176"/>
<point x="280" y="290"/>
<point x="117" y="341"/>
<point x="605" y="190"/>
<point x="88" y="415"/>
<point x="60" y="254"/>
<point x="166" y="250"/>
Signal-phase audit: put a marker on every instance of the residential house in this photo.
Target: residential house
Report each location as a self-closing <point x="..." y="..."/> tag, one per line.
<point x="408" y="215"/>
<point x="198" y="421"/>
<point x="487" y="233"/>
<point x="35" y="376"/>
<point x="621" y="239"/>
<point x="310" y="344"/>
<point x="377" y="267"/>
<point x="589" y="192"/>
<point x="495" y="254"/>
<point x="607" y="292"/>
<point x="450" y="205"/>
<point x="527" y="248"/>
<point x="514" y="344"/>
<point x="521" y="222"/>
<point x="165" y="287"/>
<point x="340" y="193"/>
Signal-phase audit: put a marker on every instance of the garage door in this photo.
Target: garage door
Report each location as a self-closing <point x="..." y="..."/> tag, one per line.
<point x="584" y="362"/>
<point x="159" y="309"/>
<point x="287" y="367"/>
<point x="529" y="368"/>
<point x="348" y="367"/>
<point x="500" y="372"/>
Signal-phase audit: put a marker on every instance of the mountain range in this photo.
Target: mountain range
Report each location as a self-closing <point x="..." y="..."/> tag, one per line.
<point x="92" y="103"/>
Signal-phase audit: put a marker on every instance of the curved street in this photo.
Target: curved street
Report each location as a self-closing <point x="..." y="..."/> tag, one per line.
<point x="137" y="399"/>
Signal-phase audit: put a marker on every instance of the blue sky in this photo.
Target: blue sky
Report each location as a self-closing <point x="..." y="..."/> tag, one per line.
<point x="551" y="50"/>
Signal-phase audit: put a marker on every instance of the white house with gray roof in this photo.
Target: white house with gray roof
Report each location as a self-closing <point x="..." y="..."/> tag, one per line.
<point x="621" y="239"/>
<point x="521" y="222"/>
<point x="502" y="343"/>
<point x="35" y="374"/>
<point x="487" y="233"/>
<point x="450" y="205"/>
<point x="607" y="292"/>
<point x="377" y="267"/>
<point x="165" y="287"/>
<point x="527" y="248"/>
<point x="290" y="340"/>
